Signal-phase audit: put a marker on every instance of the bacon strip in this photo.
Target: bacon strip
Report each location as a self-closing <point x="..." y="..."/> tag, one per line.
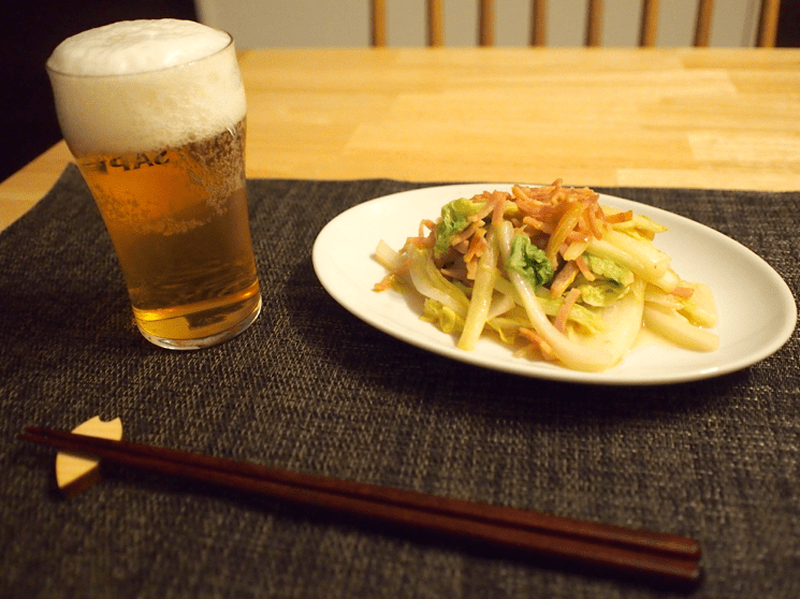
<point x="684" y="292"/>
<point x="563" y="312"/>
<point x="619" y="217"/>
<point x="587" y="274"/>
<point x="477" y="244"/>
<point x="563" y="279"/>
<point x="544" y="348"/>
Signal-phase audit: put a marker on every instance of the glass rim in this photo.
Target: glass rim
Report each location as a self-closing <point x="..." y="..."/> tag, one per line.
<point x="144" y="72"/>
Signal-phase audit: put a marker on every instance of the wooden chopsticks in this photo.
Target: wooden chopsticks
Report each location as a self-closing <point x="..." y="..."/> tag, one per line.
<point x="607" y="549"/>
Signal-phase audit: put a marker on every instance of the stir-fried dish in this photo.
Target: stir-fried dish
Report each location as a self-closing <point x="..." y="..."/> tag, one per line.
<point x="552" y="273"/>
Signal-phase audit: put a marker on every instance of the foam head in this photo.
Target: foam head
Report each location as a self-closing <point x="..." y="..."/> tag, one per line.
<point x="146" y="84"/>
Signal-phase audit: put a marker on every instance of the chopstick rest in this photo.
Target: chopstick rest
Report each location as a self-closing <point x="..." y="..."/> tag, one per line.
<point x="607" y="549"/>
<point x="76" y="473"/>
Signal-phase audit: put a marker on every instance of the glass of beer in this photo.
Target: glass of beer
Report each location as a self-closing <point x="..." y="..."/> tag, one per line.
<point x="154" y="113"/>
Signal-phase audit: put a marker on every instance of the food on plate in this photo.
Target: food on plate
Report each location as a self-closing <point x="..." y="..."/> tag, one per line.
<point x="551" y="272"/>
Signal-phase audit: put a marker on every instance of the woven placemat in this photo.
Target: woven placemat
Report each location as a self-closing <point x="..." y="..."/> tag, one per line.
<point x="312" y="388"/>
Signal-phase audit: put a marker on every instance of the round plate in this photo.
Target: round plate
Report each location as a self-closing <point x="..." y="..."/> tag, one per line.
<point x="344" y="261"/>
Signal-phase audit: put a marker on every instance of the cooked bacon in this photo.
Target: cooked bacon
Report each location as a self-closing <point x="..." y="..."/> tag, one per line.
<point x="594" y="223"/>
<point x="537" y="224"/>
<point x="578" y="236"/>
<point x="563" y="312"/>
<point x="422" y="242"/>
<point x="587" y="274"/>
<point x="619" y="217"/>
<point x="426" y="224"/>
<point x="487" y="208"/>
<point x="544" y="348"/>
<point x="477" y="244"/>
<point x="684" y="292"/>
<point x="389" y="279"/>
<point x="466" y="233"/>
<point x="384" y="283"/>
<point x="567" y="215"/>
<point x="499" y="200"/>
<point x="563" y="279"/>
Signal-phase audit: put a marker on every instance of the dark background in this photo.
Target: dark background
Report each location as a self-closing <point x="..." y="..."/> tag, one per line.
<point x="31" y="29"/>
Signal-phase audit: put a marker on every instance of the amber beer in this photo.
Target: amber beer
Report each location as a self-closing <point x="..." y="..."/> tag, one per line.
<point x="154" y="113"/>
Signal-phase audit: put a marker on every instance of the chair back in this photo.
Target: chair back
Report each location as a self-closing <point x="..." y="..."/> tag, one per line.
<point x="765" y="37"/>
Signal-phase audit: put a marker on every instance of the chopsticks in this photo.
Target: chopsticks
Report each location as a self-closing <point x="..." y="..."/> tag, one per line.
<point x="607" y="549"/>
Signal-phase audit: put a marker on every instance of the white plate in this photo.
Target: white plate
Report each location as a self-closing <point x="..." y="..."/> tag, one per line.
<point x="757" y="312"/>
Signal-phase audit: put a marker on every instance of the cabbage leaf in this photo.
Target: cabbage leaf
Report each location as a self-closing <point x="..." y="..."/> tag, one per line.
<point x="530" y="262"/>
<point x="455" y="218"/>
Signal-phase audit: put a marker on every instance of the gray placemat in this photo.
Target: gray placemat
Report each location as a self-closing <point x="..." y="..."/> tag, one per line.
<point x="310" y="387"/>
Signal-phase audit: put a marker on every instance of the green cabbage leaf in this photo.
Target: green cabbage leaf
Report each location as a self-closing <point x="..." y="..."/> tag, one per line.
<point x="529" y="261"/>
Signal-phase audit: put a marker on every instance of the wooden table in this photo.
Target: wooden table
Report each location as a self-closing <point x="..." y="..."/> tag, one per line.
<point x="709" y="118"/>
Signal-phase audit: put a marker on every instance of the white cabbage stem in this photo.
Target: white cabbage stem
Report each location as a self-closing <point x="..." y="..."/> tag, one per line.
<point x="572" y="354"/>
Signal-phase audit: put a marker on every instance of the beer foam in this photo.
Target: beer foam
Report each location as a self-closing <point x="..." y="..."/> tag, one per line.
<point x="137" y="46"/>
<point x="147" y="84"/>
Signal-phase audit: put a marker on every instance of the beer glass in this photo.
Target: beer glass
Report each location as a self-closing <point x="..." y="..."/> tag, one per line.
<point x="154" y="113"/>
